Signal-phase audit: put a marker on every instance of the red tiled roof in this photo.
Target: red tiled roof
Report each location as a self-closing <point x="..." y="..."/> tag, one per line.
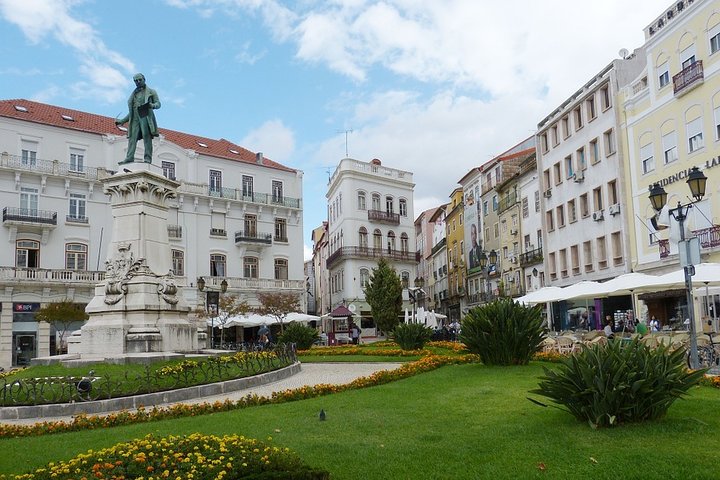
<point x="91" y="123"/>
<point x="521" y="153"/>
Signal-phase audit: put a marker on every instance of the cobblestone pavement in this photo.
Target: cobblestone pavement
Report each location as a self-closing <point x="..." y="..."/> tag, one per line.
<point x="310" y="374"/>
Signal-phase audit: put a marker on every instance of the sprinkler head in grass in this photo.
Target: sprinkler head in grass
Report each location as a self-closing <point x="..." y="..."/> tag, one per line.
<point x="322" y="415"/>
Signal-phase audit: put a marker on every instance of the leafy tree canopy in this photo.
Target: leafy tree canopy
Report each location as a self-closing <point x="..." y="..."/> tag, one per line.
<point x="278" y="305"/>
<point x="384" y="295"/>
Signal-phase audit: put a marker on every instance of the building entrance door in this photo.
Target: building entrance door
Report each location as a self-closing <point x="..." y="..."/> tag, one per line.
<point x="23" y="348"/>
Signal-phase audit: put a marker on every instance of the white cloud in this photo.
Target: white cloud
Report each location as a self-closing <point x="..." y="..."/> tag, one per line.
<point x="101" y="67"/>
<point x="272" y="136"/>
<point x="245" y="55"/>
<point x="307" y="252"/>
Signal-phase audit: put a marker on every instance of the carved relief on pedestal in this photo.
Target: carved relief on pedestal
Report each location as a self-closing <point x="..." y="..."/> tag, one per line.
<point x="123" y="267"/>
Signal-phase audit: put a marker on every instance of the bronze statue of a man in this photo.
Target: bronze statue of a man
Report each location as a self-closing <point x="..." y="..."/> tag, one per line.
<point x="140" y="119"/>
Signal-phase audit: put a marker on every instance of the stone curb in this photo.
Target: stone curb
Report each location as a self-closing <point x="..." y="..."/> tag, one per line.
<point x="146" y="400"/>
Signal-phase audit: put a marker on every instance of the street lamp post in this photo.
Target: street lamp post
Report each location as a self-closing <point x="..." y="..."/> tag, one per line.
<point x="216" y="294"/>
<point x="486" y="260"/>
<point x="658" y="198"/>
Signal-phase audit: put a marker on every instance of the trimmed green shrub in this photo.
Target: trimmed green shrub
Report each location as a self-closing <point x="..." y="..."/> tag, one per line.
<point x="299" y="334"/>
<point x="607" y="385"/>
<point x="411" y="336"/>
<point x="503" y="332"/>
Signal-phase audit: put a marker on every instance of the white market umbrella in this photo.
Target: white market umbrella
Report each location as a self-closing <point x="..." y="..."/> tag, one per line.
<point x="628" y="283"/>
<point x="544" y="295"/>
<point x="584" y="289"/>
<point x="704" y="272"/>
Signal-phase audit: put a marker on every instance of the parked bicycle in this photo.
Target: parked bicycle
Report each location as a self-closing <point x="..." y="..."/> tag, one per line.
<point x="708" y="355"/>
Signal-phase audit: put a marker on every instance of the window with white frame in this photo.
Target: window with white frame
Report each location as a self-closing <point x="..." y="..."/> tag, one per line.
<point x="364" y="277"/>
<point x="247" y="187"/>
<point x="663" y="75"/>
<point x="404" y="243"/>
<point x="687" y="56"/>
<point x="77" y="206"/>
<point x="178" y="263"/>
<point x="361" y="202"/>
<point x="391" y="242"/>
<point x="646" y="158"/>
<point x="590" y="108"/>
<point x="581" y="162"/>
<point x="28" y="201"/>
<point x="669" y="145"/>
<point x="389" y="204"/>
<point x="593" y="151"/>
<point x="377" y="239"/>
<point x="76" y="256"/>
<point x="375" y="201"/>
<point x="695" y="135"/>
<point x="403" y="207"/>
<point x="714" y="36"/>
<point x="217" y="265"/>
<point x="569" y="170"/>
<point x="250" y="225"/>
<point x="277" y="191"/>
<point x="609" y="141"/>
<point x="281" y="230"/>
<point x="168" y="170"/>
<point x="28" y="150"/>
<point x="27" y="254"/>
<point x="77" y="160"/>
<point x="363" y="237"/>
<point x="250" y="267"/>
<point x="215" y="181"/>
<point x="281" y="269"/>
<point x="605" y="97"/>
<point x="578" y="118"/>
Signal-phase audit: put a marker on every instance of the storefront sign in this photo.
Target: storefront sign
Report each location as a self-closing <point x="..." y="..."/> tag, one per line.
<point x="26" y="307"/>
<point x="683" y="174"/>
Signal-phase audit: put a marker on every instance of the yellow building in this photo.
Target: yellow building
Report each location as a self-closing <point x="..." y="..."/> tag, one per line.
<point x="672" y="124"/>
<point x="455" y="254"/>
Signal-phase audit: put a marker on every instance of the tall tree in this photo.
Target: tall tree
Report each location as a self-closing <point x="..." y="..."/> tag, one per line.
<point x="278" y="305"/>
<point x="384" y="295"/>
<point x="62" y="315"/>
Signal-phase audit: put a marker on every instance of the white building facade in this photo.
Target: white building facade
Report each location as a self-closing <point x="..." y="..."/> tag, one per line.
<point x="237" y="216"/>
<point x="370" y="216"/>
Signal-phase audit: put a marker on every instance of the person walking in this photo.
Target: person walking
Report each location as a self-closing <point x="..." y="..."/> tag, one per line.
<point x="355" y="334"/>
<point x="140" y="119"/>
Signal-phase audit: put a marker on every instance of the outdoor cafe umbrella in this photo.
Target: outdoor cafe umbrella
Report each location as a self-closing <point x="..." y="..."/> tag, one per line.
<point x="544" y="295"/>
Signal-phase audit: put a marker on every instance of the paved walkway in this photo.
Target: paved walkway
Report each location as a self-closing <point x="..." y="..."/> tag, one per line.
<point x="310" y="374"/>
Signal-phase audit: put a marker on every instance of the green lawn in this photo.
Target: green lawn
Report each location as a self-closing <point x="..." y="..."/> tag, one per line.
<point x="457" y="422"/>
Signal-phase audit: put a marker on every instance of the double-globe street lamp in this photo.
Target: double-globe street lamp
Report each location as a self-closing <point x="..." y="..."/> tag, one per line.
<point x="212" y="299"/>
<point x="658" y="198"/>
<point x="487" y="260"/>
<point x="413" y="292"/>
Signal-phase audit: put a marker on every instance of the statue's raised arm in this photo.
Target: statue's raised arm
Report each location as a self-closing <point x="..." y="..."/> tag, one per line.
<point x="140" y="119"/>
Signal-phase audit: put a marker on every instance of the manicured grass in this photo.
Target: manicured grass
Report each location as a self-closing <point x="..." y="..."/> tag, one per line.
<point x="457" y="422"/>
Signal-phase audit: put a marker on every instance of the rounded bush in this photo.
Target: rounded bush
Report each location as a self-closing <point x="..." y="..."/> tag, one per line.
<point x="503" y="332"/>
<point x="623" y="381"/>
<point x="412" y="336"/>
<point x="299" y="334"/>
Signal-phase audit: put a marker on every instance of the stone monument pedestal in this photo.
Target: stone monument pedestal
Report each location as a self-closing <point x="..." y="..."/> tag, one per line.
<point x="138" y="308"/>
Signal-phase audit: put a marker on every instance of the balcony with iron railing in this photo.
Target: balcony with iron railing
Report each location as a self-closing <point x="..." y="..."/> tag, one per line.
<point x="76" y="219"/>
<point x="708" y="237"/>
<point x="253" y="237"/>
<point x="218" y="232"/>
<point x="239" y="194"/>
<point x="241" y="283"/>
<point x="174" y="231"/>
<point x="531" y="257"/>
<point x="385" y="217"/>
<point x="689" y="78"/>
<point x="507" y="202"/>
<point x="14" y="215"/>
<point x="438" y="246"/>
<point x="52" y="167"/>
<point x="367" y="252"/>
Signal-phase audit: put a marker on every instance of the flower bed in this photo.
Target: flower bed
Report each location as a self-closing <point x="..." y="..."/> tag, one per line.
<point x="195" y="456"/>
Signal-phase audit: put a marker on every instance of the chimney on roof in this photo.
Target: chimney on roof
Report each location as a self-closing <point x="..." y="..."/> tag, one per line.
<point x="259" y="158"/>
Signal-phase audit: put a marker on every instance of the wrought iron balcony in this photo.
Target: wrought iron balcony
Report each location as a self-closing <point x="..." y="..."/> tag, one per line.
<point x="385" y="217"/>
<point x="76" y="219"/>
<point x="252" y="237"/>
<point x="689" y="78"/>
<point x="531" y="257"/>
<point x="709" y="237"/>
<point x="174" y="231"/>
<point x="367" y="252"/>
<point x="438" y="246"/>
<point x="52" y="167"/>
<point x="29" y="215"/>
<point x="507" y="202"/>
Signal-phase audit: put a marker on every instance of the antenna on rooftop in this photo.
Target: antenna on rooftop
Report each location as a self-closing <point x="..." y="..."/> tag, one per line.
<point x="346" y="139"/>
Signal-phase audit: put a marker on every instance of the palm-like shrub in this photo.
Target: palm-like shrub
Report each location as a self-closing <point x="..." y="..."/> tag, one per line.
<point x="411" y="336"/>
<point x="620" y="382"/>
<point x="503" y="332"/>
<point x="299" y="334"/>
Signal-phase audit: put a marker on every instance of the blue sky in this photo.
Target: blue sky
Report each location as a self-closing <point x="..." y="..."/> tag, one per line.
<point x="434" y="87"/>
